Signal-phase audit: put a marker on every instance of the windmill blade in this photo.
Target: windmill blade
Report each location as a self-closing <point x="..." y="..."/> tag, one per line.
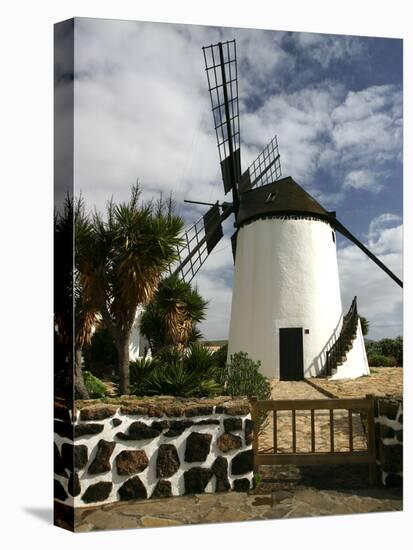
<point x="199" y="240"/>
<point x="221" y="69"/>
<point x="266" y="168"/>
<point x="234" y="244"/>
<point x="346" y="233"/>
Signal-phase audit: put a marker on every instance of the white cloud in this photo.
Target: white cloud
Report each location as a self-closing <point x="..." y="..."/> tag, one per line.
<point x="327" y="49"/>
<point x="362" y="179"/>
<point x="380" y="299"/>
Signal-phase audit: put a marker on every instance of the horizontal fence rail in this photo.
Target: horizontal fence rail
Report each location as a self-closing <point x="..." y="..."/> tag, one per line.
<point x="315" y="458"/>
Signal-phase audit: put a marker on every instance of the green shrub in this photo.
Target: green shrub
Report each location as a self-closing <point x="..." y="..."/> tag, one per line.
<point x="220" y="356"/>
<point x="242" y="377"/>
<point x="95" y="387"/>
<point x="389" y="347"/>
<point x="381" y="361"/>
<point x="187" y="374"/>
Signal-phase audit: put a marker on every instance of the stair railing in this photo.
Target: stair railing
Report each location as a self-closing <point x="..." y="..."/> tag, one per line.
<point x="341" y="345"/>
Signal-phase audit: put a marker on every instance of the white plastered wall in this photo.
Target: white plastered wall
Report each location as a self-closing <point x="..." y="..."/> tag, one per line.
<point x="356" y="363"/>
<point x="286" y="275"/>
<point x="137" y="343"/>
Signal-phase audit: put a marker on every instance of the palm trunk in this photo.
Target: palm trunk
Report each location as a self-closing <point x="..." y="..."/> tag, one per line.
<point x="123" y="364"/>
<point x="80" y="387"/>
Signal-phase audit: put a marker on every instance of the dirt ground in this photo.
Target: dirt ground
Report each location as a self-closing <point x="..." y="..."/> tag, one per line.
<point x="382" y="381"/>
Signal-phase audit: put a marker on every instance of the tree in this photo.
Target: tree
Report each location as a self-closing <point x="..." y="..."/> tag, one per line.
<point x="85" y="314"/>
<point x="364" y="325"/>
<point x="171" y="317"/>
<point x="121" y="259"/>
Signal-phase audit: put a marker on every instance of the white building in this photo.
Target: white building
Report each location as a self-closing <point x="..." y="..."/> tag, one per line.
<point x="286" y="303"/>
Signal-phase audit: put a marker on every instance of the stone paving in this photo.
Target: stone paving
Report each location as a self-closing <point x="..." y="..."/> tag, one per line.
<point x="286" y="493"/>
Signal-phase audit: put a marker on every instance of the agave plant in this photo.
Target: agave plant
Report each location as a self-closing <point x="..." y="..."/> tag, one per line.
<point x="184" y="374"/>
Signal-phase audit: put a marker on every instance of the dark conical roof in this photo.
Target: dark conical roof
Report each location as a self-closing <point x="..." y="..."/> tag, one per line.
<point x="282" y="197"/>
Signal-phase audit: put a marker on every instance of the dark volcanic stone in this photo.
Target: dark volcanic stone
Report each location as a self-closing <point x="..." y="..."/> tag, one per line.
<point x="167" y="461"/>
<point x="76" y="455"/>
<point x="394" y="480"/>
<point x="210" y="421"/>
<point x="232" y="424"/>
<point x="116" y="422"/>
<point x="392" y="458"/>
<point x="131" y="462"/>
<point x="160" y="424"/>
<point x="198" y="410"/>
<point x="88" y="429"/>
<point x="242" y="463"/>
<point x="97" y="492"/>
<point x="59" y="465"/>
<point x="132" y="489"/>
<point x="197" y="447"/>
<point x="399" y="435"/>
<point x="227" y="442"/>
<point x="249" y="431"/>
<point x="64" y="429"/>
<point x="389" y="408"/>
<point x="242" y="485"/>
<point x="162" y="489"/>
<point x="97" y="413"/>
<point x="62" y="413"/>
<point x="74" y="485"/>
<point x="177" y="427"/>
<point x="400" y="418"/>
<point x="220" y="469"/>
<point x="138" y="430"/>
<point x="59" y="491"/>
<point x="101" y="462"/>
<point x="196" y="480"/>
<point x="386" y="431"/>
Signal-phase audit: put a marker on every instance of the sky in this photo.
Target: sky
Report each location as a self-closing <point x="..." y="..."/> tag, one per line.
<point x="142" y="112"/>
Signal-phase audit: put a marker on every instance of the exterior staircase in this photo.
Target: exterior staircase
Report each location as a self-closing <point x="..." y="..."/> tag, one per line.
<point x="337" y="354"/>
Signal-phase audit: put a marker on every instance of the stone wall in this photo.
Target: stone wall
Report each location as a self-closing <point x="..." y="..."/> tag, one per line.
<point x="389" y="439"/>
<point x="140" y="449"/>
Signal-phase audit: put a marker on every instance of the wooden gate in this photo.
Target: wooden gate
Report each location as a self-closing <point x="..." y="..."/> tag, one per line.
<point x="272" y="456"/>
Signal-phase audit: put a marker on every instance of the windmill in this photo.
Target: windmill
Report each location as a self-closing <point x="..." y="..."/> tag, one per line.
<point x="286" y="303"/>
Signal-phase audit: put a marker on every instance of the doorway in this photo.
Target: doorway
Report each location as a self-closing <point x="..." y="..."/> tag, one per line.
<point x="291" y="354"/>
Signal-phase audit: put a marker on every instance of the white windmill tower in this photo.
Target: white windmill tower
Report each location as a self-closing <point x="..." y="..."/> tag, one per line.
<point x="286" y="304"/>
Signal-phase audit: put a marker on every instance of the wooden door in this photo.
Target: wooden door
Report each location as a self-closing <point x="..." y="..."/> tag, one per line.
<point x="291" y="354"/>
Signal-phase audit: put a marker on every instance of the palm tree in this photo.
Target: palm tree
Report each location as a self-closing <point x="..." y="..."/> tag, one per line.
<point x="121" y="260"/>
<point x="170" y="318"/>
<point x="86" y="319"/>
<point x="68" y="285"/>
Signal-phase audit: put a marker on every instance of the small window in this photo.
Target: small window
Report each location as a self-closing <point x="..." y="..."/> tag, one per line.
<point x="334" y="236"/>
<point x="271" y="197"/>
